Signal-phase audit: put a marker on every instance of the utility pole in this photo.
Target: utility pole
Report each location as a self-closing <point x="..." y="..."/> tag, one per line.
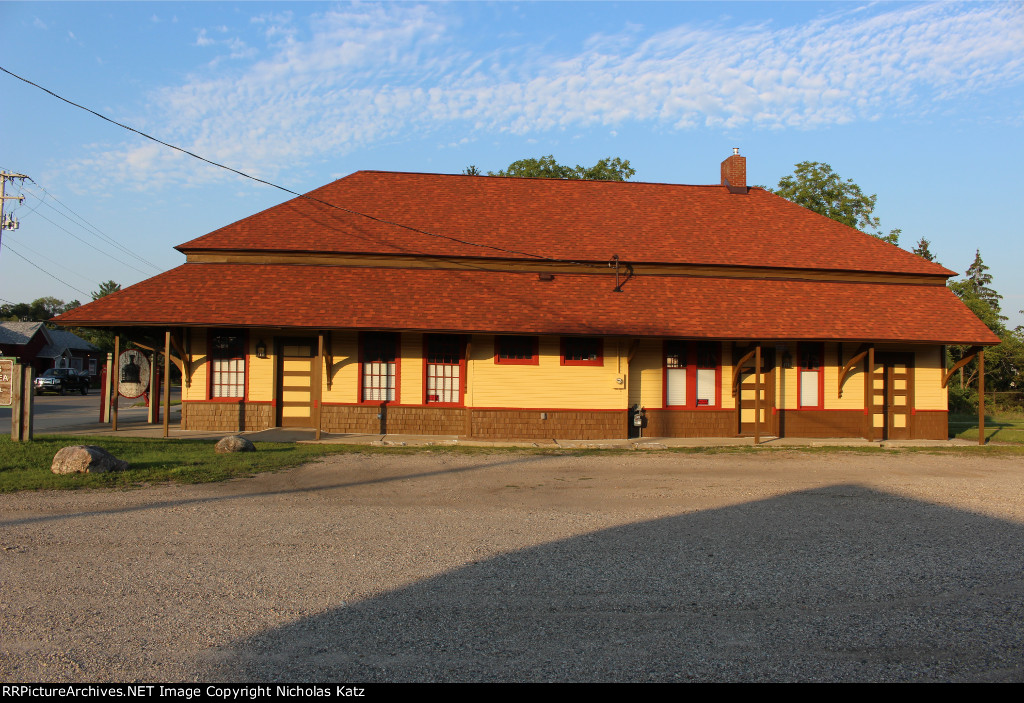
<point x="8" y="222"/>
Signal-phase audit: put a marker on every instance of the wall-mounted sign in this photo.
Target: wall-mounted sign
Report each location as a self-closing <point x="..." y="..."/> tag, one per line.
<point x="132" y="373"/>
<point x="6" y="382"/>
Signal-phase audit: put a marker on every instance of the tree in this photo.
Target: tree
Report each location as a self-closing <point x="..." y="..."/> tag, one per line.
<point x="817" y="187"/>
<point x="106" y="289"/>
<point x="1004" y="362"/>
<point x="923" y="250"/>
<point x="610" y="169"/>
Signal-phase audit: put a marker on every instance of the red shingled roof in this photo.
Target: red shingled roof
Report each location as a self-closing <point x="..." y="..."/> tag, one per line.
<point x="339" y="297"/>
<point x="574" y="220"/>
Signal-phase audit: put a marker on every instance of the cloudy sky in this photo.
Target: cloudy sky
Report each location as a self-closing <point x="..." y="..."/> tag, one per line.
<point x="919" y="103"/>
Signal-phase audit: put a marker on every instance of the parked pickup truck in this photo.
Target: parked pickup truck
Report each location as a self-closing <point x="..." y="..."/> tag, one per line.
<point x="62" y="381"/>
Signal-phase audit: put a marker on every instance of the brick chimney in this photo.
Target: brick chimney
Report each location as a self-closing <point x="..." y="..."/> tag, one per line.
<point x="734" y="173"/>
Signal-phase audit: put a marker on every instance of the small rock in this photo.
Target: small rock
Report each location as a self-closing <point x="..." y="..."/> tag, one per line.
<point x="234" y="443"/>
<point x="86" y="459"/>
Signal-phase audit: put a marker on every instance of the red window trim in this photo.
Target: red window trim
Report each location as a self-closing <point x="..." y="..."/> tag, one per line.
<point x="462" y="373"/>
<point x="398" y="368"/>
<point x="210" y="334"/>
<point x="800" y="375"/>
<point x="532" y="361"/>
<point x="579" y="362"/>
<point x="691" y="347"/>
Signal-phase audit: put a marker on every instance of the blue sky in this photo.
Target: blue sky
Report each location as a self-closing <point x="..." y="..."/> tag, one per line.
<point x="919" y="103"/>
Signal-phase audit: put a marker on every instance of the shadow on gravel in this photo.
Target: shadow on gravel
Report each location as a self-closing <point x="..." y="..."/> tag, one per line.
<point x="838" y="583"/>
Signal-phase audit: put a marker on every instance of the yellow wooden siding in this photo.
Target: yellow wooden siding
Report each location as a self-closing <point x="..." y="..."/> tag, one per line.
<point x="548" y="384"/>
<point x="728" y="401"/>
<point x="345" y="373"/>
<point x="197" y="389"/>
<point x="929" y="369"/>
<point x="410" y="380"/>
<point x="853" y="386"/>
<point x="645" y="374"/>
<point x="261" y="371"/>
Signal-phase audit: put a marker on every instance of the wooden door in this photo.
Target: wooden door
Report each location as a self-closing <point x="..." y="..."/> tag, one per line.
<point x="295" y="374"/>
<point x="892" y="398"/>
<point x="748" y="392"/>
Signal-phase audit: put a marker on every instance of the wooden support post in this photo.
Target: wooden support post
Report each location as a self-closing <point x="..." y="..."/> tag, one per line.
<point x="27" y="398"/>
<point x="467" y="426"/>
<point x="981" y="398"/>
<point x="154" y="398"/>
<point x="869" y="392"/>
<point x="167" y="383"/>
<point x="115" y="373"/>
<point x="318" y="382"/>
<point x="16" y="388"/>
<point x="757" y="394"/>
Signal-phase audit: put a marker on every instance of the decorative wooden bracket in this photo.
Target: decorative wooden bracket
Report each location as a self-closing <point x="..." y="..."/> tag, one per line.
<point x="861" y="353"/>
<point x="737" y="369"/>
<point x="328" y="359"/>
<point x="968" y="358"/>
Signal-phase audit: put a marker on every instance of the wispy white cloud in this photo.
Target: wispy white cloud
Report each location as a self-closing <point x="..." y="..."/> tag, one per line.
<point x="364" y="74"/>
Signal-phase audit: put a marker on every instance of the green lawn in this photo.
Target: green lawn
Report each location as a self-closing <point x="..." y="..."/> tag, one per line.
<point x="26" y="465"/>
<point x="999" y="427"/>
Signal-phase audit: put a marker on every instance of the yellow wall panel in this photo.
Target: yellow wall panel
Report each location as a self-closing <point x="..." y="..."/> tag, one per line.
<point x="410" y="390"/>
<point x="548" y="384"/>
<point x="345" y="373"/>
<point x="646" y="375"/>
<point x="261" y="371"/>
<point x="197" y="389"/>
<point x="853" y="387"/>
<point x="929" y="369"/>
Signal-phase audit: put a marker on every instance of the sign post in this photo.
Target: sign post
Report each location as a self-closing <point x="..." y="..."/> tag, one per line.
<point x="16" y="392"/>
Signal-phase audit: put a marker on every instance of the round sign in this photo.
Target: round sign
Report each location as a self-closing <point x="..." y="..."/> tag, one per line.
<point x="132" y="373"/>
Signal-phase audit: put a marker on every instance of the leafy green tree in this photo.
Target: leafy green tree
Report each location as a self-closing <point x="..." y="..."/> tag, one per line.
<point x="818" y="188"/>
<point x="610" y="169"/>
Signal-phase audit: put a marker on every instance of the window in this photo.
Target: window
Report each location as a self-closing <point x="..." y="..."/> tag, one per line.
<point x="811" y="372"/>
<point x="582" y="351"/>
<point x="693" y="374"/>
<point x="227" y="365"/>
<point x="380" y="369"/>
<point x="444" y="368"/>
<point x="515" y="350"/>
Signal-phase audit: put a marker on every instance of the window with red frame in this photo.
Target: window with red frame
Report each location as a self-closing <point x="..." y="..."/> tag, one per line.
<point x="582" y="351"/>
<point x="811" y="375"/>
<point x="444" y="368"/>
<point x="379" y="366"/>
<point x="692" y="373"/>
<point x="227" y="365"/>
<point x="515" y="350"/>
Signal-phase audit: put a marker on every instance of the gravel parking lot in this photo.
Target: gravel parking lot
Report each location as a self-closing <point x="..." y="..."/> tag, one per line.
<point x="445" y="566"/>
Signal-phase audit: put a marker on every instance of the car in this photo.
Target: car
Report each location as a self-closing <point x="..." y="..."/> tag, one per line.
<point x="61" y="381"/>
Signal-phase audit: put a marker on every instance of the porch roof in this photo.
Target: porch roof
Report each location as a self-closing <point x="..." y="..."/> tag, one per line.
<point x="291" y="296"/>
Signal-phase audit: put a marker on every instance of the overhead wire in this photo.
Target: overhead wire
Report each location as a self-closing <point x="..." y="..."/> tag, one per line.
<point x="30" y="263"/>
<point x="296" y="194"/>
<point x="86" y="225"/>
<point x="36" y="253"/>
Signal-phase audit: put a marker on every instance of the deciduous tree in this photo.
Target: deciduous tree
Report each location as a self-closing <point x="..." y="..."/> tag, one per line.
<point x="610" y="169"/>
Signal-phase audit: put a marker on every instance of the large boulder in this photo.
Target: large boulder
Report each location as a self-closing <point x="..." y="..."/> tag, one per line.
<point x="86" y="459"/>
<point x="234" y="443"/>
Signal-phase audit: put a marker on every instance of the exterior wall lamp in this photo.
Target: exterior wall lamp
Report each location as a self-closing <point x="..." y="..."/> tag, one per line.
<point x="261" y="350"/>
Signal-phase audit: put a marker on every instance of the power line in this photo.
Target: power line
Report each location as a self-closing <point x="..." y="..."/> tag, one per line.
<point x="88" y="244"/>
<point x="95" y="231"/>
<point x="47" y="272"/>
<point x="60" y="265"/>
<point x="292" y="192"/>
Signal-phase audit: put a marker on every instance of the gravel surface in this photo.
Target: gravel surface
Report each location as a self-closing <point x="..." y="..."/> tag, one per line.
<point x="442" y="566"/>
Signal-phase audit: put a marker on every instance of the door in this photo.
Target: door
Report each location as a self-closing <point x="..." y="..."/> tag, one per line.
<point x="748" y="394"/>
<point x="892" y="398"/>
<point x="295" y="375"/>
